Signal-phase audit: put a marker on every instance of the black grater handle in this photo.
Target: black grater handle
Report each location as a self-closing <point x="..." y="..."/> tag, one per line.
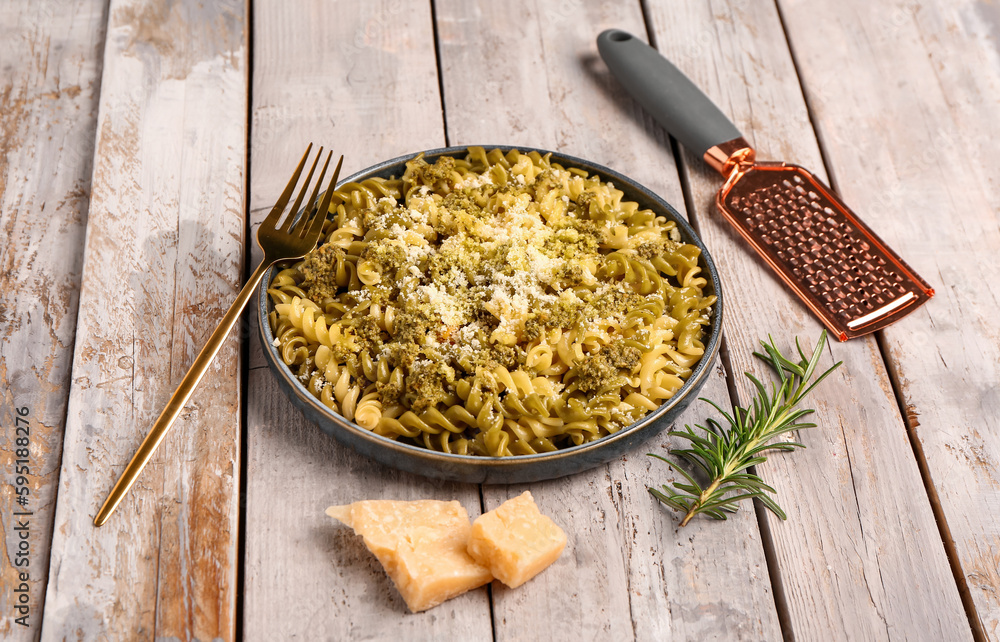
<point x="666" y="93"/>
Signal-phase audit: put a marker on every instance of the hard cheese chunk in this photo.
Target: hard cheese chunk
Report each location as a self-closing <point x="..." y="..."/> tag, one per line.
<point x="421" y="545"/>
<point x="516" y="541"/>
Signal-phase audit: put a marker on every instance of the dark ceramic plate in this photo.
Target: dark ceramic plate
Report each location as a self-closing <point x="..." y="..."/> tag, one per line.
<point x="521" y="468"/>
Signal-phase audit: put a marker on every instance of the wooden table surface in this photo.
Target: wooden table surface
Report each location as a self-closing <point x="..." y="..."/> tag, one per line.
<point x="141" y="144"/>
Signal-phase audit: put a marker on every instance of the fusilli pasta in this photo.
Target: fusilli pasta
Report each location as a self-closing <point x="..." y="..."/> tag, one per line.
<point x="497" y="304"/>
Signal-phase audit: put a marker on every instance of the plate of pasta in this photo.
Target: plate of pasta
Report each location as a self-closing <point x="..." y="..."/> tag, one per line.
<point x="494" y="315"/>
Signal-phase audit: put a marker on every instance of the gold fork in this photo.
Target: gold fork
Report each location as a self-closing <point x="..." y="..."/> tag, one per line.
<point x="293" y="240"/>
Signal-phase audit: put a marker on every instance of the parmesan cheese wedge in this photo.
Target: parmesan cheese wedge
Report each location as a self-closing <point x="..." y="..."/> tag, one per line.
<point x="516" y="541"/>
<point x="421" y="544"/>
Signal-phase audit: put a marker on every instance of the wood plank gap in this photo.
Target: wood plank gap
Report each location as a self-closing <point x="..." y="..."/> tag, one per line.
<point x="978" y="629"/>
<point x="157" y="624"/>
<point x="771" y="557"/>
<point x="482" y="495"/>
<point x="651" y="39"/>
<point x="690" y="207"/>
<point x="773" y="570"/>
<point x="489" y="597"/>
<point x="831" y="176"/>
<point x="447" y="143"/>
<point x="245" y="337"/>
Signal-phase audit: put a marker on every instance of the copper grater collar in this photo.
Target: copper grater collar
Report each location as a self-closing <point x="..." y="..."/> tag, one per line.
<point x="845" y="273"/>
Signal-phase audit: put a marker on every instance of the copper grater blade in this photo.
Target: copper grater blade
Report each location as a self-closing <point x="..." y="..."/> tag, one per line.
<point x="846" y="274"/>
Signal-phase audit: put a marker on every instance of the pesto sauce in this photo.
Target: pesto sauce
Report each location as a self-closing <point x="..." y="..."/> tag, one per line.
<point x="468" y="262"/>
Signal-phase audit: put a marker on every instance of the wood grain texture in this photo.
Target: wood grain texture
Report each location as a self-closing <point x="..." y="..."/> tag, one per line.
<point x="163" y="258"/>
<point x="860" y="556"/>
<point x="49" y="90"/>
<point x="902" y="99"/>
<point x="628" y="572"/>
<point x="361" y="79"/>
<point x="912" y="144"/>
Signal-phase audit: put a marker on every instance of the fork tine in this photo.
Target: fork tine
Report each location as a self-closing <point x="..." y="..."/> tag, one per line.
<point x="287" y="225"/>
<point x="317" y="224"/>
<point x="308" y="214"/>
<point x="279" y="206"/>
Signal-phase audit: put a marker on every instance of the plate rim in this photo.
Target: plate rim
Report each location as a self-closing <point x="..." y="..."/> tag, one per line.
<point x="381" y="448"/>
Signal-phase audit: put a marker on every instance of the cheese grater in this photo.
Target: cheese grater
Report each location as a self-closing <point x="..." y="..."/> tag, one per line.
<point x="846" y="274"/>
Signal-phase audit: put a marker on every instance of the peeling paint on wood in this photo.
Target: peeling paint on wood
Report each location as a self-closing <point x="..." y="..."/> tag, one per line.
<point x="170" y="147"/>
<point x="50" y="55"/>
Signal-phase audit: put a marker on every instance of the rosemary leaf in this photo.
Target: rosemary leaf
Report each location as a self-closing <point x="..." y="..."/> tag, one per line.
<point x="721" y="454"/>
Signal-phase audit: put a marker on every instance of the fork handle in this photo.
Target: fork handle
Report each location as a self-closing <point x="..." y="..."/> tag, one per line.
<point x="180" y="397"/>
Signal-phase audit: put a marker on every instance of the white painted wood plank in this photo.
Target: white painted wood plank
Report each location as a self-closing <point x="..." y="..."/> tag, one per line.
<point x="48" y="114"/>
<point x="628" y="572"/>
<point x="911" y="142"/>
<point x="860" y="556"/>
<point x="163" y="259"/>
<point x="362" y="80"/>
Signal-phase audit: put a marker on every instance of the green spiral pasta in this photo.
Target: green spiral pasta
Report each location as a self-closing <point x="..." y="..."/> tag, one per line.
<point x="498" y="304"/>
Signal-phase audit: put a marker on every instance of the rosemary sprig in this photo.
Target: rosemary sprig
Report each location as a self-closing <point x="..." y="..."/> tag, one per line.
<point x="723" y="455"/>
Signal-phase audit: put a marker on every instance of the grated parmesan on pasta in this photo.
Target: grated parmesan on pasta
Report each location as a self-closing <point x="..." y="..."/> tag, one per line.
<point x="497" y="304"/>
